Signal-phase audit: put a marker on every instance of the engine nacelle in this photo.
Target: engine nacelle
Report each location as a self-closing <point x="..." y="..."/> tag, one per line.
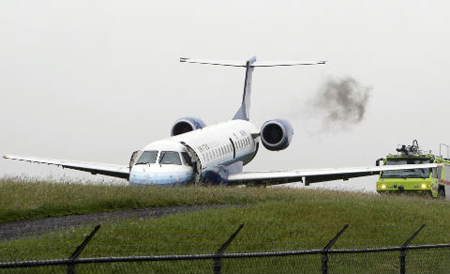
<point x="186" y="124"/>
<point x="276" y="134"/>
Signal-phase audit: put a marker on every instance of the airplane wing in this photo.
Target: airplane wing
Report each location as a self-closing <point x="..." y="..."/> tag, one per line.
<point x="118" y="171"/>
<point x="315" y="176"/>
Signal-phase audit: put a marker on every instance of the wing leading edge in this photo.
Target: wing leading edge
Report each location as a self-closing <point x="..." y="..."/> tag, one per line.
<point x="117" y="171"/>
<point x="314" y="176"/>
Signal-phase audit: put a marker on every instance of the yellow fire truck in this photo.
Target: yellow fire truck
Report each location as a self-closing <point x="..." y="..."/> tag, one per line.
<point x="433" y="181"/>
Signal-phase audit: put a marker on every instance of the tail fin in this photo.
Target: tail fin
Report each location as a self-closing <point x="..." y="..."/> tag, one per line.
<point x="243" y="111"/>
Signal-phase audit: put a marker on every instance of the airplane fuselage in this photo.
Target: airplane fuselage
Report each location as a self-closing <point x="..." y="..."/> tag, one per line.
<point x="205" y="155"/>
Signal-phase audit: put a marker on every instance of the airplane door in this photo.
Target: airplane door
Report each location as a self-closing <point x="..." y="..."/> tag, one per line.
<point x="234" y="148"/>
<point x="196" y="163"/>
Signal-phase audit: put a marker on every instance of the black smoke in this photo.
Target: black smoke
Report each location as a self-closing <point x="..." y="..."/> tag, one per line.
<point x="341" y="103"/>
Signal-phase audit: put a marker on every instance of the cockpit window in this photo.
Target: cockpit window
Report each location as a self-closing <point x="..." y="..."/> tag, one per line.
<point x="148" y="157"/>
<point x="170" y="157"/>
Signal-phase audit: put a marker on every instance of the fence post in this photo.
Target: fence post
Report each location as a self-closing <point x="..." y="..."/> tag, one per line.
<point x="328" y="247"/>
<point x="403" y="250"/>
<point x="218" y="260"/>
<point x="71" y="266"/>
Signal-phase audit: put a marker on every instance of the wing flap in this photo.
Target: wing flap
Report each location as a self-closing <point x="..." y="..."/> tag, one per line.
<point x="118" y="171"/>
<point x="315" y="176"/>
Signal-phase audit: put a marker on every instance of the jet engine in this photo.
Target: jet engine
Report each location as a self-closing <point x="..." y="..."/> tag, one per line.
<point x="186" y="124"/>
<point x="276" y="134"/>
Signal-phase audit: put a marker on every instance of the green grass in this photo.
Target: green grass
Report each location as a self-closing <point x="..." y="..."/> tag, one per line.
<point x="21" y="199"/>
<point x="24" y="199"/>
<point x="275" y="219"/>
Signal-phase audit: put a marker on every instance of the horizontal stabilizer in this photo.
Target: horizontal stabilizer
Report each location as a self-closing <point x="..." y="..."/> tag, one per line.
<point x="213" y="62"/>
<point x="255" y="64"/>
<point x="269" y="64"/>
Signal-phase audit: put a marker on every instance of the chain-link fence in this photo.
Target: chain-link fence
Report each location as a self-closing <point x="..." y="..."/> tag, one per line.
<point x="115" y="248"/>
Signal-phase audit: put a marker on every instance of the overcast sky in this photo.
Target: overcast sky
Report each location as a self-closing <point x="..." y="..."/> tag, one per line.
<point x="95" y="80"/>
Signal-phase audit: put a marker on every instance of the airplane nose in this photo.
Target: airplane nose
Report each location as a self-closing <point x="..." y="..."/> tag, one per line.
<point x="161" y="175"/>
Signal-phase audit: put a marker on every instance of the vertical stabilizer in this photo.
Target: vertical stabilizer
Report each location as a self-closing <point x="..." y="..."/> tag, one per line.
<point x="244" y="111"/>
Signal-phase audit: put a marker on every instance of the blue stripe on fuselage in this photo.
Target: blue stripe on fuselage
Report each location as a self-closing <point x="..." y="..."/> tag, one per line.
<point x="169" y="178"/>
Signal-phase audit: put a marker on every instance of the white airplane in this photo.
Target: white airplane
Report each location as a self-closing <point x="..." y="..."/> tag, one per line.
<point x="200" y="154"/>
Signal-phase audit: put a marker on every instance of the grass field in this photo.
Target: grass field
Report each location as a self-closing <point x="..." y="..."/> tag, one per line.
<point x="22" y="199"/>
<point x="275" y="219"/>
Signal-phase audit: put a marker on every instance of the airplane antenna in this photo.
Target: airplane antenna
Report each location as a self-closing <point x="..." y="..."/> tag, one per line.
<point x="243" y="111"/>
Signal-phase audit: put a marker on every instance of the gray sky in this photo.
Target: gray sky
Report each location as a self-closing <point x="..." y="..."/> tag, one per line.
<point x="95" y="80"/>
